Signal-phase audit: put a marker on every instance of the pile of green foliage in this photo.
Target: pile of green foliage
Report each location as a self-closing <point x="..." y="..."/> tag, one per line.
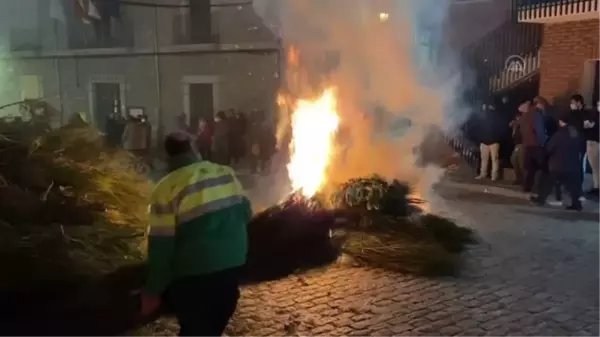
<point x="391" y="232"/>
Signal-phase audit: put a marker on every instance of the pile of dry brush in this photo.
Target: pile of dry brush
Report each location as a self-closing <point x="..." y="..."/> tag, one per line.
<point x="375" y="222"/>
<point x="71" y="212"/>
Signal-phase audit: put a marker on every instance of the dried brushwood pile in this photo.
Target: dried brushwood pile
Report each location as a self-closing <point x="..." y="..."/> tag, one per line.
<point x="392" y="232"/>
<point x="72" y="211"/>
<point x="292" y="235"/>
<point x="375" y="222"/>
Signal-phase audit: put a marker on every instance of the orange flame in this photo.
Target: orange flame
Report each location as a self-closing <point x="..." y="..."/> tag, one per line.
<point x="314" y="124"/>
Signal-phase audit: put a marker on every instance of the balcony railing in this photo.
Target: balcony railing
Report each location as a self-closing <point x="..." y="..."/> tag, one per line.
<point x="523" y="67"/>
<point x="488" y="57"/>
<point x="551" y="11"/>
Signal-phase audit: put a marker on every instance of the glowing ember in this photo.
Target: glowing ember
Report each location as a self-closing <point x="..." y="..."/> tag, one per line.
<point x="314" y="124"/>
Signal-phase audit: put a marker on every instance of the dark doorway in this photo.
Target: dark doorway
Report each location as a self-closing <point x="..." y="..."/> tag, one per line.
<point x="107" y="98"/>
<point x="201" y="103"/>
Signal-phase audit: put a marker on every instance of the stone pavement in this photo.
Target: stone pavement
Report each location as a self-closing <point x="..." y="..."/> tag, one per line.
<point x="535" y="272"/>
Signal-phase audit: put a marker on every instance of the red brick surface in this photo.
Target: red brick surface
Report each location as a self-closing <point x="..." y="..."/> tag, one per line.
<point x="566" y="47"/>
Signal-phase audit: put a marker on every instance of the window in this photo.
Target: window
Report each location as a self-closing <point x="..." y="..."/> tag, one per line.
<point x="31" y="87"/>
<point x="195" y="23"/>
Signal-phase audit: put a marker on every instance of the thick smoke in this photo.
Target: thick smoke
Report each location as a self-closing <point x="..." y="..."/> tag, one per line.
<point x="390" y="93"/>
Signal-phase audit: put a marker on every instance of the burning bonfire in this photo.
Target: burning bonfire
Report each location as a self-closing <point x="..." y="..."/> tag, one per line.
<point x="370" y="219"/>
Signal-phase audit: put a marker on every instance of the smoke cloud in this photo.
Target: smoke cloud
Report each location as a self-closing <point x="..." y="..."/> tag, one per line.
<point x="390" y="93"/>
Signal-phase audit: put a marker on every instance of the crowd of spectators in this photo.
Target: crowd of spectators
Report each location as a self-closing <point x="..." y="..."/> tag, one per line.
<point x="549" y="148"/>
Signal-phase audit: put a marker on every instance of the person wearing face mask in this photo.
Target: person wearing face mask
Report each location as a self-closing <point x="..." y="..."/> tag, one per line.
<point x="577" y="119"/>
<point x="491" y="133"/>
<point x="590" y="133"/>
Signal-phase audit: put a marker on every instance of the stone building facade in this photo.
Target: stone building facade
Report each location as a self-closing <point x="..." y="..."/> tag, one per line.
<point x="167" y="58"/>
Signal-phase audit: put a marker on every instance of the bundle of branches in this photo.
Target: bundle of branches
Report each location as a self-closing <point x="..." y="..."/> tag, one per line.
<point x="392" y="233"/>
<point x="66" y="176"/>
<point x="376" y="194"/>
<point x="421" y="245"/>
<point x="290" y="236"/>
<point x="72" y="211"/>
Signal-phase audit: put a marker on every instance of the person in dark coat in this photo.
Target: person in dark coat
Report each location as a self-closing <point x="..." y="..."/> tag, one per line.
<point x="115" y="126"/>
<point x="551" y="126"/>
<point x="237" y="133"/>
<point x="563" y="163"/>
<point x="204" y="139"/>
<point x="577" y="116"/>
<point x="533" y="136"/>
<point x="492" y="131"/>
<point x="591" y="134"/>
<point x="550" y="123"/>
<point x="263" y="144"/>
<point x="517" y="158"/>
<point x="221" y="138"/>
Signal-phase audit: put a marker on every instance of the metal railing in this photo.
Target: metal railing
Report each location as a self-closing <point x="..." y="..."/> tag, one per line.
<point x="488" y="56"/>
<point x="529" y="64"/>
<point x="532" y="10"/>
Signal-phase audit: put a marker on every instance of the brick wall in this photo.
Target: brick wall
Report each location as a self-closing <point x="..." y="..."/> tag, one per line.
<point x="566" y="47"/>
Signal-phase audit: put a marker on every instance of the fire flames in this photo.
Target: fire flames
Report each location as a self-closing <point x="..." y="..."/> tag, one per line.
<point x="314" y="124"/>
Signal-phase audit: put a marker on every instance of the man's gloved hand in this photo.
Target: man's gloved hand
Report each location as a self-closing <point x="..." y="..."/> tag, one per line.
<point x="150" y="303"/>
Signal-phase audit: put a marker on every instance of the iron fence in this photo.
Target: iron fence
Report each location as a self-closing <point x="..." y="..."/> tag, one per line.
<point x="528" y="10"/>
<point x="488" y="56"/>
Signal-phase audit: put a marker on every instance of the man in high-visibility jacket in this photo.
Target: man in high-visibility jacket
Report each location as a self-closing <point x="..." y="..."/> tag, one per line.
<point x="197" y="241"/>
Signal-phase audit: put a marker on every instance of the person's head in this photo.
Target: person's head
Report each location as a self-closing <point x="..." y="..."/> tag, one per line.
<point x="525" y="107"/>
<point x="540" y="102"/>
<point x="563" y="121"/>
<point x="577" y="102"/>
<point x="178" y="144"/>
<point x="598" y="106"/>
<point x="220" y="116"/>
<point x="202" y="123"/>
<point x="504" y="99"/>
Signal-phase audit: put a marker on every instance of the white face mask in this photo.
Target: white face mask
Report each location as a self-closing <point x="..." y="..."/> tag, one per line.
<point x="573" y="106"/>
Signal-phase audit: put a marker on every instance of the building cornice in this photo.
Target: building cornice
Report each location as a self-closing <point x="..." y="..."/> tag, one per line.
<point x="212" y="48"/>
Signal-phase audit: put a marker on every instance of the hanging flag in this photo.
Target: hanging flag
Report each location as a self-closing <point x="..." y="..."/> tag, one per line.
<point x="57" y="11"/>
<point x="87" y="11"/>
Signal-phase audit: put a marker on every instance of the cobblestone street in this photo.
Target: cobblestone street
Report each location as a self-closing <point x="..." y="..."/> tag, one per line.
<point x="534" y="273"/>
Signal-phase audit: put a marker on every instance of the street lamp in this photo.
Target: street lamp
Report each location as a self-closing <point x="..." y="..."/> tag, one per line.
<point x="383" y="17"/>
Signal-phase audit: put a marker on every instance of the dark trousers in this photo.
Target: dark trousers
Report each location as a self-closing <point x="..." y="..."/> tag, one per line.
<point x="570" y="180"/>
<point x="535" y="167"/>
<point x="205" y="152"/>
<point x="517" y="160"/>
<point x="204" y="304"/>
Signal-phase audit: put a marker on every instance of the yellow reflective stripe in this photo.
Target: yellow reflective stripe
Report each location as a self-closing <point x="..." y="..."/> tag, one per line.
<point x="201" y="186"/>
<point x="209" y="207"/>
<point x="206" y="196"/>
<point x="162" y="225"/>
<point x="192" y="174"/>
